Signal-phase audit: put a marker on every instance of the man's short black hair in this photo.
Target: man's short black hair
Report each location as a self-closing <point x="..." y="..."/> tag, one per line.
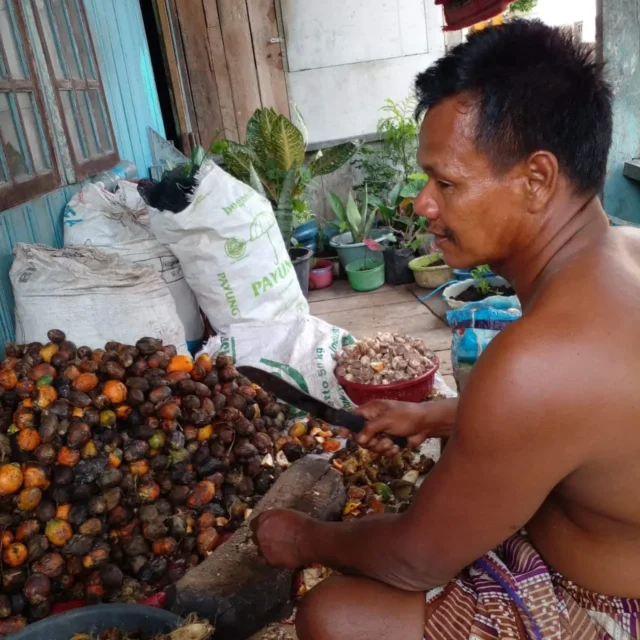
<point x="536" y="89"/>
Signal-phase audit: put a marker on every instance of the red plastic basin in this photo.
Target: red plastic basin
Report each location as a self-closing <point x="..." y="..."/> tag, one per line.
<point x="321" y="276"/>
<point x="415" y="390"/>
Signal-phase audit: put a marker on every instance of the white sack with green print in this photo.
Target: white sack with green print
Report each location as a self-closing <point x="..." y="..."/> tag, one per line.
<point x="300" y="351"/>
<point x="232" y="253"/>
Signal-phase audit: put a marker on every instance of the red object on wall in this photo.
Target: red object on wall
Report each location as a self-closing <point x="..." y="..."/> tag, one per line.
<point x="460" y="14"/>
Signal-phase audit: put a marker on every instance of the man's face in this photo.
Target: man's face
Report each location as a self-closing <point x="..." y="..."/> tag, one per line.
<point x="474" y="213"/>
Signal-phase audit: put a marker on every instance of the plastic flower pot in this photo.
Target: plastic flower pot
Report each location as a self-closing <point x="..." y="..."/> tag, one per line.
<point x="151" y="622"/>
<point x="396" y="265"/>
<point x="301" y="260"/>
<point x="306" y="234"/>
<point x="306" y="231"/>
<point x="321" y="275"/>
<point x="349" y="251"/>
<point x="449" y="294"/>
<point x="428" y="276"/>
<point x="366" y="274"/>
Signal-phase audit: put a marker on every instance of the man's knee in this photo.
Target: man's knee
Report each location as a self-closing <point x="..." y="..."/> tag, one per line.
<point x="321" y="611"/>
<point x="358" y="609"/>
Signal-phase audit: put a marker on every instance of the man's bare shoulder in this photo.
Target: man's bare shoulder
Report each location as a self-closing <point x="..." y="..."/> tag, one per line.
<point x="537" y="382"/>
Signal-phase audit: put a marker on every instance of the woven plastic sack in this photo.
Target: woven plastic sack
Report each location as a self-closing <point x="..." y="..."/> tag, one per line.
<point x="94" y="296"/>
<point x="232" y="253"/>
<point x="475" y="325"/>
<point x="118" y="223"/>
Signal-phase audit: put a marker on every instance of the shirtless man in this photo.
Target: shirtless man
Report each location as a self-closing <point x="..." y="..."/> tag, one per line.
<point x="542" y="464"/>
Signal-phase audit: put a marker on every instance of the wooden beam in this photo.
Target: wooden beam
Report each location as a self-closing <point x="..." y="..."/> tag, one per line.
<point x="221" y="71"/>
<point x="176" y="88"/>
<point x="268" y="55"/>
<point x="236" y="34"/>
<point x="182" y="68"/>
<point x="202" y="80"/>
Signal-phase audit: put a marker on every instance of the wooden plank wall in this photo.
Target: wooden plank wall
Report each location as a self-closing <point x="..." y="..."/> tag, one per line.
<point x="123" y="55"/>
<point x="234" y="63"/>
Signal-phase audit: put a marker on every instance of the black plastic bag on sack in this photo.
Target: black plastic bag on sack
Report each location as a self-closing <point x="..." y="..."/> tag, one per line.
<point x="173" y="191"/>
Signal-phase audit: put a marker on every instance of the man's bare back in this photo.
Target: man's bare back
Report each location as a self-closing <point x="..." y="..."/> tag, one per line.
<point x="589" y="527"/>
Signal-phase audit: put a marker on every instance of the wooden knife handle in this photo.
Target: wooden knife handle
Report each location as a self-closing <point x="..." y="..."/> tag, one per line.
<point x="356" y="423"/>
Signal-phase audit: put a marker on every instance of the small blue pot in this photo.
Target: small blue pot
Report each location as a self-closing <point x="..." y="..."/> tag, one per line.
<point x="306" y="232"/>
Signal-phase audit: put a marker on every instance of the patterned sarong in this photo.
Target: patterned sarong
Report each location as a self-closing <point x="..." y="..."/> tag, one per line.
<point x="512" y="593"/>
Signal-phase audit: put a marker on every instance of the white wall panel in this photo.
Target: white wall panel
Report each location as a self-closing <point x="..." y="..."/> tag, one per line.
<point x="344" y="102"/>
<point x="346" y="57"/>
<point x="324" y="33"/>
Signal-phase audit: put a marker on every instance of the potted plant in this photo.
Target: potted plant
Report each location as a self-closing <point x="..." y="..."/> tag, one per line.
<point x="410" y="229"/>
<point x="354" y="226"/>
<point x="477" y="288"/>
<point x="272" y="161"/>
<point x="321" y="275"/>
<point x="367" y="273"/>
<point x="393" y="158"/>
<point x="324" y="250"/>
<point x="430" y="271"/>
<point x="483" y="271"/>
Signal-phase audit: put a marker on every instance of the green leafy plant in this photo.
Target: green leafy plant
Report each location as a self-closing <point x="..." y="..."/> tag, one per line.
<point x="479" y="274"/>
<point x="349" y="218"/>
<point x="272" y="161"/>
<point x="397" y="211"/>
<point x="394" y="158"/>
<point x="324" y="248"/>
<point x="523" y="6"/>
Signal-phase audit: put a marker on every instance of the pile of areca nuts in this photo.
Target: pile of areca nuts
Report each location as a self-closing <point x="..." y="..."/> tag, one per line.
<point x="123" y="467"/>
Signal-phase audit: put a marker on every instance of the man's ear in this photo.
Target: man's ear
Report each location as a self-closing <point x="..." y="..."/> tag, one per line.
<point x="541" y="174"/>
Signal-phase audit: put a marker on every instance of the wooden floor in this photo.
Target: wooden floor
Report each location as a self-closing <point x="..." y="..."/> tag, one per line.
<point x="393" y="309"/>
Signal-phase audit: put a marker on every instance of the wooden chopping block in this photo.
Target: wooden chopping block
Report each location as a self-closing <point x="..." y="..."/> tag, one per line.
<point x="234" y="588"/>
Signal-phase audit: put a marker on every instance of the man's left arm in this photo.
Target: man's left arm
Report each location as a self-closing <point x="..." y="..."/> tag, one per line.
<point x="513" y="443"/>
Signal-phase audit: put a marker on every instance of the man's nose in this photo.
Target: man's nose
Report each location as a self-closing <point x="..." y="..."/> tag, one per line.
<point x="425" y="205"/>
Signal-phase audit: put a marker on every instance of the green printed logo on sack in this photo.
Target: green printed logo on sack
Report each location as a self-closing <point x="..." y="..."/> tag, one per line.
<point x="229" y="295"/>
<point x="227" y="347"/>
<point x="229" y="209"/>
<point x="277" y="276"/>
<point x="235" y="248"/>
